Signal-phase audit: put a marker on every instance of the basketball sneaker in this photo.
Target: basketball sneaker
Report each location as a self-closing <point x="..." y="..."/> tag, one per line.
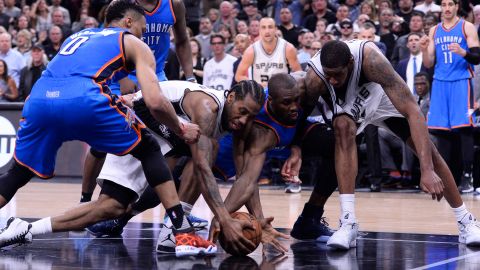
<point x="466" y="186"/>
<point x="307" y="229"/>
<point x="17" y="231"/>
<point x="166" y="240"/>
<point x="113" y="227"/>
<point x="197" y="223"/>
<point x="189" y="244"/>
<point x="345" y="237"/>
<point x="469" y="232"/>
<point x="293" y="188"/>
<point x="477" y="191"/>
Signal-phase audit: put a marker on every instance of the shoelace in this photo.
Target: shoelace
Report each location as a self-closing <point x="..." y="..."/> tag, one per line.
<point x="323" y="221"/>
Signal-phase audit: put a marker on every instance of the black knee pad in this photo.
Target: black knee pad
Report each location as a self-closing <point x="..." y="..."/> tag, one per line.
<point x="154" y="165"/>
<point x="16" y="177"/>
<point x="97" y="154"/>
<point x="119" y="193"/>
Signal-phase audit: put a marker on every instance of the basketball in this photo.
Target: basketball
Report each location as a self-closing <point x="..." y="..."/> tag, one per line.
<point x="254" y="235"/>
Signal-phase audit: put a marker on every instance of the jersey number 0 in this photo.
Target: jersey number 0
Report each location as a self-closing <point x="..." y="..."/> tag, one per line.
<point x="73" y="45"/>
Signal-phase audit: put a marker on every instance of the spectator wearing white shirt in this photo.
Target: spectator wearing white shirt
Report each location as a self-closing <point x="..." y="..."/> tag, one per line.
<point x="14" y="59"/>
<point x="218" y="71"/>
<point x="428" y="6"/>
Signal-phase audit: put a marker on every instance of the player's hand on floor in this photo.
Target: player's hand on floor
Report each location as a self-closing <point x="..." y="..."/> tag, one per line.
<point x="432" y="184"/>
<point x="291" y="169"/>
<point x="190" y="132"/>
<point x="232" y="231"/>
<point x="270" y="235"/>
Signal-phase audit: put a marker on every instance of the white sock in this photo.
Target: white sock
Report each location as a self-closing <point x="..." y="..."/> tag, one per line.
<point x="41" y="226"/>
<point x="187" y="208"/>
<point x="463" y="215"/>
<point x="347" y="202"/>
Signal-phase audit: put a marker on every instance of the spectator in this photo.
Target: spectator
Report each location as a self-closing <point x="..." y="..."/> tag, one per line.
<point x="14" y="59"/>
<point x="400" y="51"/>
<point x="249" y="11"/>
<point x="197" y="61"/>
<point x="367" y="32"/>
<point x="295" y="7"/>
<point x="368" y="8"/>
<point x="410" y="66"/>
<point x="353" y="9"/>
<point x="321" y="11"/>
<point x="306" y="52"/>
<point x="193" y="14"/>
<point x="384" y="4"/>
<point x="66" y="15"/>
<point x="55" y="37"/>
<point x="204" y="37"/>
<point x="24" y="44"/>
<point x="316" y="46"/>
<point x="26" y="10"/>
<point x="58" y="20"/>
<point x="320" y="28"/>
<point x="41" y="16"/>
<point x="428" y="6"/>
<point x="422" y="86"/>
<point x="226" y="18"/>
<point x="385" y="21"/>
<point x="254" y="30"/>
<point x="23" y="23"/>
<point x="430" y="21"/>
<point x="78" y="24"/>
<point x="30" y="73"/>
<point x="346" y="30"/>
<point x="213" y="15"/>
<point x="361" y="20"/>
<point x="90" y="22"/>
<point x="405" y="9"/>
<point x="218" y="71"/>
<point x="242" y="42"/>
<point x="11" y="10"/>
<point x="8" y="88"/>
<point x="342" y="13"/>
<point x="225" y="31"/>
<point x="242" y="28"/>
<point x="289" y="30"/>
<point x="4" y="18"/>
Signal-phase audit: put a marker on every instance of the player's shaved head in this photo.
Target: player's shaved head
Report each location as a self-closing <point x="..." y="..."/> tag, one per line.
<point x="280" y="83"/>
<point x="335" y="54"/>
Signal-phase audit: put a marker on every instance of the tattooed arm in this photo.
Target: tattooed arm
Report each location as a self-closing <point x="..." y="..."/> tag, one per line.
<point x="377" y="69"/>
<point x="202" y="110"/>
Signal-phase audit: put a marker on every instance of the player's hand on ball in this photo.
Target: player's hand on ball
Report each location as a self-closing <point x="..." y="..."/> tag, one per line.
<point x="190" y="132"/>
<point x="432" y="184"/>
<point x="270" y="235"/>
<point x="234" y="239"/>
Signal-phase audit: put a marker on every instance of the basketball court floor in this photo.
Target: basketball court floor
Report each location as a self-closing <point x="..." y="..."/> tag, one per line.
<point x="398" y="231"/>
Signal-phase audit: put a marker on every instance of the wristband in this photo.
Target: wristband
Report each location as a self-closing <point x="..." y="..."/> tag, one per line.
<point x="191" y="79"/>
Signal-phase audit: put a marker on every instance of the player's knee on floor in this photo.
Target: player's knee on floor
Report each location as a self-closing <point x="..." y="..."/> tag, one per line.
<point x="114" y="200"/>
<point x="154" y="165"/>
<point x="16" y="177"/>
<point x="97" y="154"/>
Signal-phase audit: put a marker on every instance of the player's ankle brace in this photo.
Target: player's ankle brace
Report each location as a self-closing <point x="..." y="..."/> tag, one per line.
<point x="14" y="179"/>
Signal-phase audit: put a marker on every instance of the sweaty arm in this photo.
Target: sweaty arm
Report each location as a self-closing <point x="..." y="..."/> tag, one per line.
<point x="140" y="54"/>
<point x="377" y="69"/>
<point x="259" y="141"/>
<point x="182" y="43"/>
<point x="292" y="59"/>
<point x="247" y="61"/>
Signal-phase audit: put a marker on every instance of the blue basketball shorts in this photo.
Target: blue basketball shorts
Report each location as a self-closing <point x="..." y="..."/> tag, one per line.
<point x="451" y="104"/>
<point x="67" y="110"/>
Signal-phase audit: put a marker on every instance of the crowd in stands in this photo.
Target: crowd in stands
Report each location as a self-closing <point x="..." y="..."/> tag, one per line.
<point x="32" y="31"/>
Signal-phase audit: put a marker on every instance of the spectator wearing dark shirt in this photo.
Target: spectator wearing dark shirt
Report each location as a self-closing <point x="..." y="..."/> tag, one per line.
<point x="55" y="36"/>
<point x="405" y="9"/>
<point x="30" y="73"/>
<point x="59" y="20"/>
<point x="289" y="30"/>
<point x="4" y="18"/>
<point x="321" y="12"/>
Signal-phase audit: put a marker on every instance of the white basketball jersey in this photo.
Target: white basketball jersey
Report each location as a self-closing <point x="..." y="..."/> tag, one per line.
<point x="366" y="103"/>
<point x="265" y="65"/>
<point x="219" y="75"/>
<point x="175" y="91"/>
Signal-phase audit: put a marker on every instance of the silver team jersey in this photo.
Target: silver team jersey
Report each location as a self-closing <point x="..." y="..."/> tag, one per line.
<point x="265" y="65"/>
<point x="175" y="91"/>
<point x="366" y="103"/>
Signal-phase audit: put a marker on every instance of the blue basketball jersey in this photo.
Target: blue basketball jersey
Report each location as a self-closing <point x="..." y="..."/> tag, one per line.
<point x="157" y="35"/>
<point x="450" y="66"/>
<point x="91" y="54"/>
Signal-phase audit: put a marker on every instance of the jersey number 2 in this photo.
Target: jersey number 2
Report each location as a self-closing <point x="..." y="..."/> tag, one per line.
<point x="73" y="45"/>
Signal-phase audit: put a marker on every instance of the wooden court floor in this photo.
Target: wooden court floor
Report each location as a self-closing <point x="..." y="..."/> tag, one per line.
<point x="376" y="212"/>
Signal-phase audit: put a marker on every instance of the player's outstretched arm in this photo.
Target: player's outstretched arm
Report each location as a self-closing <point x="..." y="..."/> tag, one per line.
<point x="377" y="69"/>
<point x="140" y="54"/>
<point x="247" y="61"/>
<point x="182" y="43"/>
<point x="259" y="141"/>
